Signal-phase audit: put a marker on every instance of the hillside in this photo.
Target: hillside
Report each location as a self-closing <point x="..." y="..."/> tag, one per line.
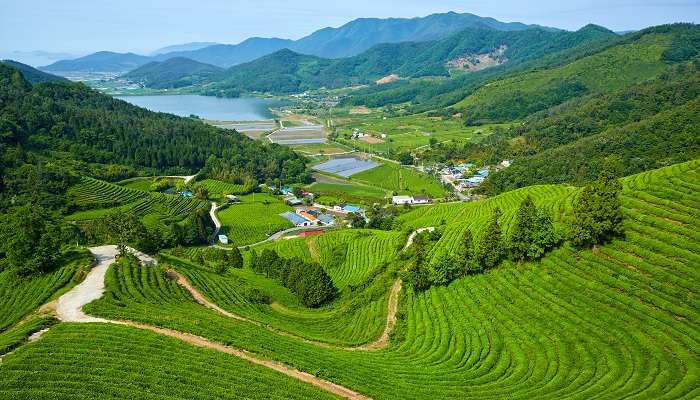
<point x="182" y="47"/>
<point x="286" y="71"/>
<point x="104" y="61"/>
<point x="172" y="73"/>
<point x="616" y="321"/>
<point x="32" y="75"/>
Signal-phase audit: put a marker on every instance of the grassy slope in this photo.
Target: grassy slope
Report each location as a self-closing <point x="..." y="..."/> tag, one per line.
<point x="616" y="323"/>
<point x="394" y="178"/>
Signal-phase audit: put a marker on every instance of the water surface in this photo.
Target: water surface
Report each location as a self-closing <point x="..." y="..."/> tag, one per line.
<point x="207" y="107"/>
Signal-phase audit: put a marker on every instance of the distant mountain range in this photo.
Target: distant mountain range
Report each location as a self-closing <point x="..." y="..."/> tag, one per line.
<point x="172" y="73"/>
<point x="471" y="50"/>
<point x="348" y="40"/>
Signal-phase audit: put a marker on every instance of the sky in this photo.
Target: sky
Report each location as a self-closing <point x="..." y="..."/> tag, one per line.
<point x="141" y="26"/>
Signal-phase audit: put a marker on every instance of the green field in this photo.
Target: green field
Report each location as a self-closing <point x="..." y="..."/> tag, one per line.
<point x="253" y="219"/>
<point x="109" y="361"/>
<point x="409" y="133"/>
<point x="19" y="296"/>
<point x="401" y="180"/>
<point x="336" y="193"/>
<point x="218" y="189"/>
<point x="613" y="323"/>
<point x="95" y="199"/>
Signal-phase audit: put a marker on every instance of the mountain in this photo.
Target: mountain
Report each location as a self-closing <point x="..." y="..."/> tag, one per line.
<point x="37" y="57"/>
<point x="32" y="75"/>
<point x="172" y="73"/>
<point x="474" y="49"/>
<point x="226" y="55"/>
<point x="183" y="47"/>
<point x="361" y="34"/>
<point x="103" y="61"/>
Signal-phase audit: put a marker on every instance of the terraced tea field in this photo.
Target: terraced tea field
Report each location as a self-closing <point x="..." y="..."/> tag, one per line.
<point x="219" y="189"/>
<point x="617" y="322"/>
<point x="332" y="193"/>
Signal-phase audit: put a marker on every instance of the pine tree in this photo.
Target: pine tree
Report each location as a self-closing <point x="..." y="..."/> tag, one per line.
<point x="466" y="256"/>
<point x="597" y="212"/>
<point x="491" y="244"/>
<point x="544" y="238"/>
<point x="523" y="232"/>
<point x="235" y="259"/>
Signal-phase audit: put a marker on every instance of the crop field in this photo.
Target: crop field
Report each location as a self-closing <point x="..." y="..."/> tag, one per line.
<point x="109" y="361"/>
<point x="19" y="297"/>
<point x="394" y="178"/>
<point x="219" y="189"/>
<point x="297" y="135"/>
<point x="253" y="219"/>
<point x="335" y="193"/>
<point x="411" y="132"/>
<point x="617" y="322"/>
<point x="97" y="198"/>
<point x="321" y="149"/>
<point x="346" y="166"/>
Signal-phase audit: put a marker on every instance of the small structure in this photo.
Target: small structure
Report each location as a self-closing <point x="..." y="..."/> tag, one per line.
<point x="293" y="201"/>
<point x="399" y="200"/>
<point x="286" y="190"/>
<point x="295" y="219"/>
<point x="421" y="199"/>
<point x="231" y="198"/>
<point x="223" y="239"/>
<point x="307" y="216"/>
<point x="326" y="219"/>
<point x="186" y="194"/>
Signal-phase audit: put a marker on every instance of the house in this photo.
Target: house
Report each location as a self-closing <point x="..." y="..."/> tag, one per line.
<point x="421" y="199"/>
<point x="399" y="200"/>
<point x="295" y="219"/>
<point x="349" y="208"/>
<point x="483" y="172"/>
<point x="293" y="201"/>
<point x="307" y="216"/>
<point x="231" y="198"/>
<point x="326" y="219"/>
<point x="223" y="239"/>
<point x="286" y="190"/>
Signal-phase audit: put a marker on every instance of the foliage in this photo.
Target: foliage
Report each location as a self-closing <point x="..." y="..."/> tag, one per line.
<point x="306" y="279"/>
<point x="597" y="212"/>
<point x="532" y="234"/>
<point x="490" y="248"/>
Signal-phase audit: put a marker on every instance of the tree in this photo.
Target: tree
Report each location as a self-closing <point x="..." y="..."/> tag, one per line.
<point x="253" y="260"/>
<point x="545" y="236"/>
<point x="235" y="259"/>
<point x="490" y="249"/>
<point x="466" y="257"/>
<point x="597" y="212"/>
<point x="315" y="286"/>
<point x="357" y="220"/>
<point x="444" y="270"/>
<point x="31" y="239"/>
<point x="406" y="158"/>
<point x="523" y="232"/>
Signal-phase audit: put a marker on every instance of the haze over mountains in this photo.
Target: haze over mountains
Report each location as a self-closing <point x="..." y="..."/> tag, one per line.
<point x="348" y="40"/>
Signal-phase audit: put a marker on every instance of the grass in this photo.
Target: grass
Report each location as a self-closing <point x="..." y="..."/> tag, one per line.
<point x="19" y="296"/>
<point x="109" y="361"/>
<point x="18" y="334"/>
<point x="253" y="219"/>
<point x="407" y="133"/>
<point x="617" y="322"/>
<point x="218" y="189"/>
<point x="336" y="193"/>
<point x="401" y="180"/>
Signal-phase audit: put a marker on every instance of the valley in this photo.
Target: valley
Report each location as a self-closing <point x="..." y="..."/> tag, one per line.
<point x="439" y="207"/>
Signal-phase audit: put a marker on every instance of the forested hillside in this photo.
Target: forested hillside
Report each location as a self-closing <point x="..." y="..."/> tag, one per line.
<point x="288" y="72"/>
<point x="172" y="73"/>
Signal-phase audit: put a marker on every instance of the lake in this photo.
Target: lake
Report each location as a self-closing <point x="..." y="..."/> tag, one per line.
<point x="207" y="107"/>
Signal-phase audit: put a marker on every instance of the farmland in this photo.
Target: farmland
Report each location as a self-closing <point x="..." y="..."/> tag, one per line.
<point x="253" y="219"/>
<point x="521" y="328"/>
<point x="409" y="133"/>
<point x="401" y="180"/>
<point x="337" y="193"/>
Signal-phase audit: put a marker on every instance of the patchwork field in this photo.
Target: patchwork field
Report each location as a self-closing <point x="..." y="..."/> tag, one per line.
<point x="345" y="166"/>
<point x="303" y="134"/>
<point x="337" y="193"/>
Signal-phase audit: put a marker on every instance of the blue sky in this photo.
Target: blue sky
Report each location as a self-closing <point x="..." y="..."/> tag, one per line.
<point x="82" y="26"/>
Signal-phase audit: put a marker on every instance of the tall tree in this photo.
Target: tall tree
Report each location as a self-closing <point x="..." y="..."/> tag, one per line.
<point x="523" y="232"/>
<point x="597" y="213"/>
<point x="490" y="249"/>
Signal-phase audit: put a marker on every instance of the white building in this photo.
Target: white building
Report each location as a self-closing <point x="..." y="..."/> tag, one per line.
<point x="223" y="239"/>
<point x="399" y="200"/>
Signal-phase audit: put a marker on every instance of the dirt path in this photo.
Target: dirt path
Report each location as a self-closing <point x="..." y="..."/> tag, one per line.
<point x="69" y="309"/>
<point x="217" y="222"/>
